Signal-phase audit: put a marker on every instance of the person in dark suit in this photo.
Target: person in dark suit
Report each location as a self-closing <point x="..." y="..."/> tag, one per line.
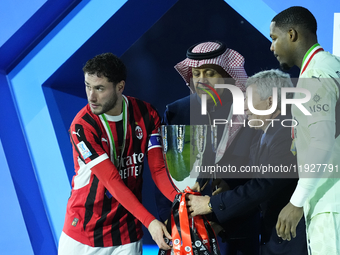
<point x="271" y="191"/>
<point x="207" y="64"/>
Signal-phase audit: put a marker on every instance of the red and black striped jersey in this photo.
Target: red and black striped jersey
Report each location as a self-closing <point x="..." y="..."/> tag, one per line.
<point x="105" y="205"/>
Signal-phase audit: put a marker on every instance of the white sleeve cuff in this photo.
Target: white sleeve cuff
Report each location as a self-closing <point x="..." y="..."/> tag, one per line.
<point x="299" y="196"/>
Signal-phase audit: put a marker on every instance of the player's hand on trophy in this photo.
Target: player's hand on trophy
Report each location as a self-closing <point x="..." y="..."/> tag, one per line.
<point x="219" y="186"/>
<point x="157" y="230"/>
<point x="197" y="205"/>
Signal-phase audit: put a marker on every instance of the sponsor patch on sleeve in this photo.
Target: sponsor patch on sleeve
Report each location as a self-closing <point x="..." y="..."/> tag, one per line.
<point x="155" y="141"/>
<point x="84" y="151"/>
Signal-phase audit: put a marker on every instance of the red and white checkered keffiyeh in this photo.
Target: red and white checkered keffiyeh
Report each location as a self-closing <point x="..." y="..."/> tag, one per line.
<point x="233" y="63"/>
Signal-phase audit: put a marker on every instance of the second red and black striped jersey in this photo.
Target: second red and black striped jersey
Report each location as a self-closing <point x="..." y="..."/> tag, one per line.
<point x="105" y="205"/>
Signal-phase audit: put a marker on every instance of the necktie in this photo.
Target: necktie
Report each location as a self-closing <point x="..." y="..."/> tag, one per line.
<point x="262" y="137"/>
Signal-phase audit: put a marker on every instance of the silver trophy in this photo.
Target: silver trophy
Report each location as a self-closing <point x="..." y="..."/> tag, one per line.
<point x="187" y="149"/>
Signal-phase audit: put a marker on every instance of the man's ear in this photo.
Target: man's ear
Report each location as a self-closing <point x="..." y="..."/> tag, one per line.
<point x="293" y="34"/>
<point x="269" y="101"/>
<point x="120" y="86"/>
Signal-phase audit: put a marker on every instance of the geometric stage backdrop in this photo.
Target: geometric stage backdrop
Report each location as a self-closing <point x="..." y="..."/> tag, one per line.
<point x="43" y="46"/>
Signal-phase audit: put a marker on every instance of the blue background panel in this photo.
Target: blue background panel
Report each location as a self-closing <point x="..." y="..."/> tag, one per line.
<point x="26" y="185"/>
<point x="14" y="19"/>
<point x="15" y="239"/>
<point x="21" y="33"/>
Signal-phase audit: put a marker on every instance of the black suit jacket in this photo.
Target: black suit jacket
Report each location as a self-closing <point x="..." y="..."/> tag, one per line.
<point x="270" y="194"/>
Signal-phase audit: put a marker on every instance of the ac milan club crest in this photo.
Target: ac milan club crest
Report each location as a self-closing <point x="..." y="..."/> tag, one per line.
<point x="139" y="132"/>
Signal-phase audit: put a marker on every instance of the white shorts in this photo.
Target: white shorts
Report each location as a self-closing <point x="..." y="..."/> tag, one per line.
<point x="323" y="234"/>
<point x="69" y="246"/>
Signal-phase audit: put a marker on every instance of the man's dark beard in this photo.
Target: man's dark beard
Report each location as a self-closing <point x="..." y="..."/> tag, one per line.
<point x="109" y="105"/>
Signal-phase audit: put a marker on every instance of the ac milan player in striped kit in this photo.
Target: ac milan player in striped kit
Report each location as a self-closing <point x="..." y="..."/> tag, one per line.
<point x="110" y="137"/>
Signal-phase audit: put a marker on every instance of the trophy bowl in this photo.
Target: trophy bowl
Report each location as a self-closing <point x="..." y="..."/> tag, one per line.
<point x="185" y="149"/>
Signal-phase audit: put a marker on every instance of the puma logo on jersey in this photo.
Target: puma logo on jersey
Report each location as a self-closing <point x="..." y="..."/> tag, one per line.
<point x="318" y="78"/>
<point x="76" y="133"/>
<point x="104" y="140"/>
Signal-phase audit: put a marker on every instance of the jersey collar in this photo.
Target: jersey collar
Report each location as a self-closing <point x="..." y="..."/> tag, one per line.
<point x="309" y="55"/>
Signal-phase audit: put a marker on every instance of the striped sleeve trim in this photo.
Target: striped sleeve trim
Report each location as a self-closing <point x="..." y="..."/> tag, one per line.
<point x="84" y="173"/>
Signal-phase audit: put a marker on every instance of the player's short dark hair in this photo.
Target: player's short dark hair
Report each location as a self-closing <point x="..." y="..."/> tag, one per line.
<point x="298" y="16"/>
<point x="108" y="65"/>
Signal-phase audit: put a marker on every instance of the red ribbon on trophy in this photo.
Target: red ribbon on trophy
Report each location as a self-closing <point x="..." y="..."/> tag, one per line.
<point x="193" y="236"/>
